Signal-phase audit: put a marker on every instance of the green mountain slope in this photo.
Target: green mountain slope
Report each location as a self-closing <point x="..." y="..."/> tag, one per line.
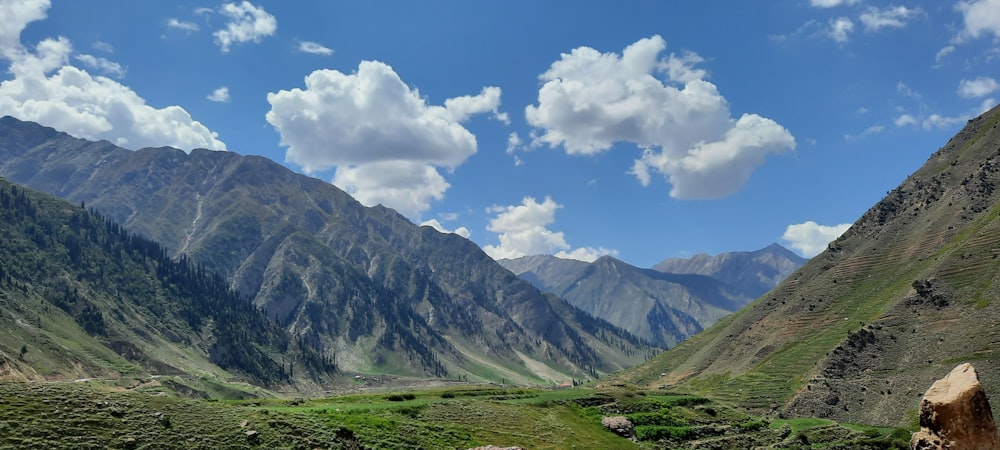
<point x="82" y="297"/>
<point x="860" y="331"/>
<point x="363" y="284"/>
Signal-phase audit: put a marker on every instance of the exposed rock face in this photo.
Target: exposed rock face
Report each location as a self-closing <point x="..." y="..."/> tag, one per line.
<point x="955" y="415"/>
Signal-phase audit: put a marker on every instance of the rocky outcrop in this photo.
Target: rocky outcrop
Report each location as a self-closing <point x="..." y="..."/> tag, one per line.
<point x="620" y="425"/>
<point x="955" y="415"/>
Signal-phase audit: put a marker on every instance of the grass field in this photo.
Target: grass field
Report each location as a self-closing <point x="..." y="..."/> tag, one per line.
<point x="101" y="415"/>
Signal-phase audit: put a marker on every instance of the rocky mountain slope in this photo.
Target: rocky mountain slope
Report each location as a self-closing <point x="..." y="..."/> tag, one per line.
<point x="861" y="330"/>
<point x="363" y="284"/>
<point x="751" y="273"/>
<point x="84" y="298"/>
<point x="661" y="307"/>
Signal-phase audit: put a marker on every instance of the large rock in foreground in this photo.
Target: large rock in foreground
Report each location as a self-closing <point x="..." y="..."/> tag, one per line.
<point x="955" y="414"/>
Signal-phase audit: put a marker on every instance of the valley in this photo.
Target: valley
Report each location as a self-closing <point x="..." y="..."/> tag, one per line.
<point x="333" y="325"/>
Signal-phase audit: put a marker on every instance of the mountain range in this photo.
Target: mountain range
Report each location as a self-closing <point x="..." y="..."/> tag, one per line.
<point x="669" y="303"/>
<point x="861" y="331"/>
<point x="365" y="286"/>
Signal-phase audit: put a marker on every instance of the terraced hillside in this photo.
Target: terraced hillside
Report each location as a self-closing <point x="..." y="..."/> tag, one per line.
<point x="861" y="331"/>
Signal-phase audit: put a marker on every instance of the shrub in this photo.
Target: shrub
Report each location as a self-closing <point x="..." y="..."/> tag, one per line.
<point x="656" y="432"/>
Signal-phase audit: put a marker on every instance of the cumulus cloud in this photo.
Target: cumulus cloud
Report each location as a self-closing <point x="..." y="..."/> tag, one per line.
<point x="831" y="3"/>
<point x="43" y="87"/>
<point x="810" y="238"/>
<point x="523" y="231"/>
<point x="14" y="16"/>
<point x="461" y="108"/>
<point x="406" y="186"/>
<point x="978" y="87"/>
<point x="433" y="223"/>
<point x="875" y="19"/>
<point x="980" y="17"/>
<point x="247" y="23"/>
<point x="384" y="139"/>
<point x="314" y="48"/>
<point x="109" y="67"/>
<point x="219" y="95"/>
<point x="590" y="100"/>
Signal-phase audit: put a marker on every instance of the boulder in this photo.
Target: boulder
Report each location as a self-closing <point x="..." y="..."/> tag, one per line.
<point x="955" y="415"/>
<point x="253" y="437"/>
<point x="620" y="425"/>
<point x="494" y="447"/>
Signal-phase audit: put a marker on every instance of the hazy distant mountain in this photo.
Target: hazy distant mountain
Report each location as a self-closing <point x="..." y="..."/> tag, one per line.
<point x="861" y="330"/>
<point x="750" y="273"/>
<point x="664" y="308"/>
<point x="371" y="289"/>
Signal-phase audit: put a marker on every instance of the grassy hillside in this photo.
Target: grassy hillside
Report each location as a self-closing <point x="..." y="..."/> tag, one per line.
<point x="84" y="298"/>
<point x="862" y="330"/>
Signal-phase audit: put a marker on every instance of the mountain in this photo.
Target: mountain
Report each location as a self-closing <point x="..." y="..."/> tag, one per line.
<point x="663" y="308"/>
<point x="750" y="273"/>
<point x="666" y="305"/>
<point x="82" y="297"/>
<point x="860" y="331"/>
<point x="364" y="285"/>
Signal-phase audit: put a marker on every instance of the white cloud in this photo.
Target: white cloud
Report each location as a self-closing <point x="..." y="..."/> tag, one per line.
<point x="905" y="90"/>
<point x="943" y="53"/>
<point x="514" y="144"/>
<point x="461" y="108"/>
<point x="981" y="17"/>
<point x="14" y="16"/>
<point x="875" y="19"/>
<point x="182" y="25"/>
<point x="840" y="29"/>
<point x="681" y="68"/>
<point x="247" y="23"/>
<point x="109" y="67"/>
<point x="103" y="46"/>
<point x="906" y="119"/>
<point x="591" y="100"/>
<point x="433" y="223"/>
<point x="831" y="3"/>
<point x="874" y="129"/>
<point x="43" y="87"/>
<point x="220" y="95"/>
<point x="523" y="231"/>
<point x="936" y="120"/>
<point x="314" y="48"/>
<point x="384" y="139"/>
<point x="406" y="186"/>
<point x="810" y="238"/>
<point x="978" y="87"/>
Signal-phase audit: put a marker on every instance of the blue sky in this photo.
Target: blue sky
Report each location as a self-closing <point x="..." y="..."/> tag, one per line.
<point x="643" y="129"/>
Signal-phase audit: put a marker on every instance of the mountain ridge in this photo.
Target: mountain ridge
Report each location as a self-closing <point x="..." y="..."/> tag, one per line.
<point x="860" y="331"/>
<point x="663" y="307"/>
<point x="381" y="293"/>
